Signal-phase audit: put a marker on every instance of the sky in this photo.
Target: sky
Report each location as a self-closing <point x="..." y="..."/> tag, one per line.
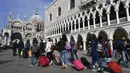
<point x="21" y="8"/>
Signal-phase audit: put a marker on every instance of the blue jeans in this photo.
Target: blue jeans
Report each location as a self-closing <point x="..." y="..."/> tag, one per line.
<point x="106" y="53"/>
<point x="33" y="59"/>
<point x="114" y="54"/>
<point x="96" y="59"/>
<point x="63" y="56"/>
<point x="72" y="53"/>
<point x="123" y="58"/>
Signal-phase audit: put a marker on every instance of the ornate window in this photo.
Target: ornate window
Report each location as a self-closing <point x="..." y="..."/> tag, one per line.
<point x="50" y="16"/>
<point x="72" y="4"/>
<point x="59" y="11"/>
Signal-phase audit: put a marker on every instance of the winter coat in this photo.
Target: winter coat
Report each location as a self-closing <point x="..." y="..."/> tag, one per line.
<point x="94" y="51"/>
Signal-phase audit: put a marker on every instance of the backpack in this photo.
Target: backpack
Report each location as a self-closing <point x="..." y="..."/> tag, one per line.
<point x="99" y="47"/>
<point x="52" y="47"/>
<point x="34" y="48"/>
<point x="68" y="46"/>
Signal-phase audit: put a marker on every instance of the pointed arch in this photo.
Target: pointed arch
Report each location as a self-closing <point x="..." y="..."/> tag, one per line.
<point x="112" y="13"/>
<point x="122" y="10"/>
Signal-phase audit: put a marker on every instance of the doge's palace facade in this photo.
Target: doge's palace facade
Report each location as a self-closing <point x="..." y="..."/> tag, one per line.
<point x="107" y="19"/>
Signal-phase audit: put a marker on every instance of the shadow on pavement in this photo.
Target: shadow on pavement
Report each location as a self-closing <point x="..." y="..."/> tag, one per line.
<point x="3" y="62"/>
<point x="108" y="70"/>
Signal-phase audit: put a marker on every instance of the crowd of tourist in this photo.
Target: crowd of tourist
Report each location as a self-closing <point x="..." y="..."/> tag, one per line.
<point x="100" y="48"/>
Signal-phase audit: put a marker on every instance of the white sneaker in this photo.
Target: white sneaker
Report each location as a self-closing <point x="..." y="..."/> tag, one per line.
<point x="50" y="62"/>
<point x="31" y="65"/>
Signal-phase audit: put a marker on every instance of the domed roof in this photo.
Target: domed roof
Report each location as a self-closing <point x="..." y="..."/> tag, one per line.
<point x="36" y="18"/>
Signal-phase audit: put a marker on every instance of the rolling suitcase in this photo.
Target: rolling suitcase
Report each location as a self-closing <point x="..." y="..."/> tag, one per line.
<point x="78" y="65"/>
<point x="114" y="66"/>
<point x="43" y="61"/>
<point x="85" y="62"/>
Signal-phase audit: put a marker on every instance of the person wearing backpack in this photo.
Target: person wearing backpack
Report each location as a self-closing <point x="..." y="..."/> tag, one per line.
<point x="95" y="54"/>
<point x="121" y="45"/>
<point x="72" y="42"/>
<point x="49" y="51"/>
<point x="34" y="51"/>
<point x="63" y="51"/>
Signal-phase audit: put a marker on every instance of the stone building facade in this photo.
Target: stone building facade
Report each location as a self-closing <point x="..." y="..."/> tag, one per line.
<point x="25" y="29"/>
<point x="107" y="19"/>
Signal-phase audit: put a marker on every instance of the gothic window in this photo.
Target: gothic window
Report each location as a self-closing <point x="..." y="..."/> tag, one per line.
<point x="72" y="4"/>
<point x="86" y="22"/>
<point x="97" y="20"/>
<point x="50" y="16"/>
<point x="112" y="14"/>
<point x="104" y="17"/>
<point x="59" y="11"/>
<point x="122" y="10"/>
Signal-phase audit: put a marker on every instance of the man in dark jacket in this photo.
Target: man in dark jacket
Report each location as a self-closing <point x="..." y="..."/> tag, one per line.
<point x="42" y="47"/>
<point x="122" y="46"/>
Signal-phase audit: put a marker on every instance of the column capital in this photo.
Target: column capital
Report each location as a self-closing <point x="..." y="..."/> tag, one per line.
<point x="116" y="9"/>
<point x="107" y="12"/>
<point x="93" y="17"/>
<point x="126" y="6"/>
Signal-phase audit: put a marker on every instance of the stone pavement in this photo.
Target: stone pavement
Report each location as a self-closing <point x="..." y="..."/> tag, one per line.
<point x="10" y="64"/>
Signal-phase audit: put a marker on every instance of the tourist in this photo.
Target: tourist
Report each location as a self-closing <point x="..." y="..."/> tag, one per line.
<point x="42" y="47"/>
<point x="63" y="51"/>
<point x="20" y="47"/>
<point x="121" y="45"/>
<point x="26" y="49"/>
<point x="14" y="47"/>
<point x="95" y="54"/>
<point x="72" y="42"/>
<point x="49" y="51"/>
<point x="34" y="50"/>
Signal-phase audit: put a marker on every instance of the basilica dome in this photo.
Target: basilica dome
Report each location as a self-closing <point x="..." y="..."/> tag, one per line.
<point x="36" y="19"/>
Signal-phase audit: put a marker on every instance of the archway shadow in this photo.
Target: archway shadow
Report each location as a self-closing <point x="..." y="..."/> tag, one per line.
<point x="3" y="62"/>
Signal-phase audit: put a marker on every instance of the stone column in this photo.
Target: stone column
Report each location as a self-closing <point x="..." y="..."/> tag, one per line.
<point x="88" y="24"/>
<point x="75" y="25"/>
<point x="117" y="16"/>
<point x="84" y="45"/>
<point x="100" y="16"/>
<point x="65" y="26"/>
<point x="71" y="26"/>
<point x="111" y="44"/>
<point x="94" y="22"/>
<point x="79" y="24"/>
<point x="108" y="18"/>
<point x="60" y="29"/>
<point x="127" y="13"/>
<point x="83" y="23"/>
<point x="68" y="26"/>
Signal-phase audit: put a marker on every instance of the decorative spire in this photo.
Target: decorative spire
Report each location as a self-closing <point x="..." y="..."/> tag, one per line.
<point x="24" y="17"/>
<point x="10" y="15"/>
<point x="18" y="16"/>
<point x="37" y="11"/>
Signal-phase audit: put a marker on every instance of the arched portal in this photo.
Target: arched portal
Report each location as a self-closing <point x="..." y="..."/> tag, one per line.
<point x="6" y="38"/>
<point x="16" y="35"/>
<point x="102" y="36"/>
<point x="118" y="33"/>
<point x="80" y="42"/>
